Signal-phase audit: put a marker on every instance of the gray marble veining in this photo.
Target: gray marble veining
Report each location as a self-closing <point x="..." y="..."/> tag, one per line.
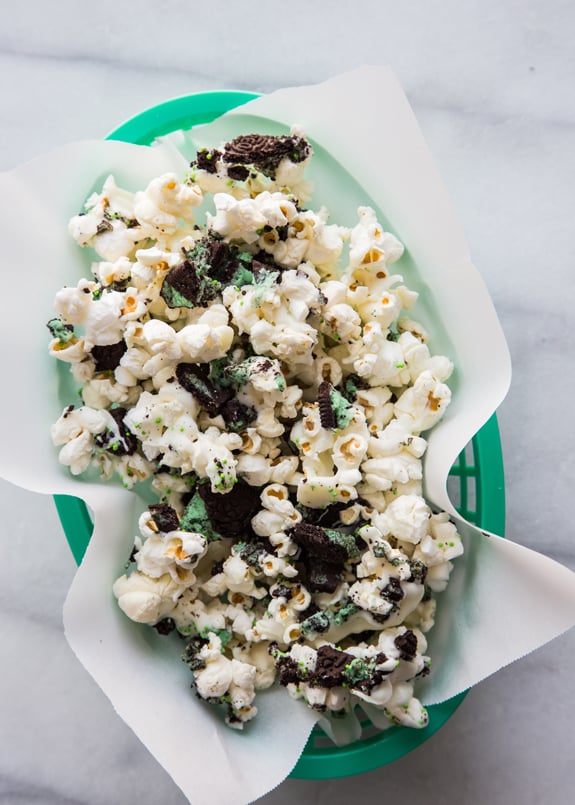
<point x="492" y="86"/>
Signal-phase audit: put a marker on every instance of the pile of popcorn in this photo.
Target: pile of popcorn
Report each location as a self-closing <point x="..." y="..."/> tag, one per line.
<point x="259" y="372"/>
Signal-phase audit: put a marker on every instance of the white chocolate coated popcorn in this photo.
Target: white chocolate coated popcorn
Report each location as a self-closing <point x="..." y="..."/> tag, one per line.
<point x="257" y="363"/>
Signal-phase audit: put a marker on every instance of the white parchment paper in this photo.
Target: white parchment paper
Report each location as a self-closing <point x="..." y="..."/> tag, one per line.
<point x="503" y="601"/>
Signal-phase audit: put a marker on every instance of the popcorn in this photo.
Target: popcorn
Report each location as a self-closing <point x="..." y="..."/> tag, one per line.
<point x="261" y="369"/>
<point x="145" y="599"/>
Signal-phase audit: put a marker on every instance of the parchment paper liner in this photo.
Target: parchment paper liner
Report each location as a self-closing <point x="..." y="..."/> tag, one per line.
<point x="503" y="601"/>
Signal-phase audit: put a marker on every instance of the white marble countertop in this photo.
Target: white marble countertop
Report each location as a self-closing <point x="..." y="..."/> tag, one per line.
<point x="492" y="86"/>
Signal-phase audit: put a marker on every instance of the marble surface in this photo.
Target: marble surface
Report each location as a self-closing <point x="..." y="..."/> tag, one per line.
<point x="492" y="86"/>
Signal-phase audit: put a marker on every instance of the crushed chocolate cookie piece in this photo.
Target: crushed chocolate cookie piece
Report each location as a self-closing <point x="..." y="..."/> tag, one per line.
<point x="63" y="332"/>
<point x="192" y="649"/>
<point x="188" y="284"/>
<point x="407" y="645"/>
<point x="326" y="412"/>
<point x="315" y="624"/>
<point x="104" y="226"/>
<point x="119" y="285"/>
<point x="165" y="517"/>
<point x="107" y="358"/>
<point x="323" y="577"/>
<point x="330" y="667"/>
<point x="308" y="611"/>
<point x="209" y="265"/>
<point x="120" y="443"/>
<point x="363" y="637"/>
<point x="207" y="160"/>
<point x="239" y="173"/>
<point x="351" y="385"/>
<point x="165" y="626"/>
<point x="317" y="543"/>
<point x="393" y="591"/>
<point x="289" y="671"/>
<point x="195" y="518"/>
<point x="282" y="591"/>
<point x="238" y="416"/>
<point x="265" y="151"/>
<point x="328" y="517"/>
<point x="265" y="272"/>
<point x="252" y="553"/>
<point x="418" y="571"/>
<point x="227" y="265"/>
<point x="325" y="543"/>
<point x="217" y="568"/>
<point x="231" y="513"/>
<point x="194" y="377"/>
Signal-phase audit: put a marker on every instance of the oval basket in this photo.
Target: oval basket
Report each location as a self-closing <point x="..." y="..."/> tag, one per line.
<point x="476" y="486"/>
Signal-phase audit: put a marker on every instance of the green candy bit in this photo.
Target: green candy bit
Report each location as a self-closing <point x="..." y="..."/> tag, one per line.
<point x="267" y="281"/>
<point x="347" y="609"/>
<point x="242" y="276"/>
<point x="358" y="670"/>
<point x="342" y="410"/>
<point x="224" y="634"/>
<point x="195" y="518"/>
<point x="346" y="541"/>
<point x="63" y="332"/>
<point x="173" y="298"/>
<point x="317" y="623"/>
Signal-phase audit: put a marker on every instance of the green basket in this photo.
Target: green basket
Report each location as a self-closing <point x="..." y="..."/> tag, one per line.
<point x="476" y="486"/>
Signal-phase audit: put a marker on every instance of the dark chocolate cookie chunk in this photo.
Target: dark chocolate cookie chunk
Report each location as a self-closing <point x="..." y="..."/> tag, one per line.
<point x="330" y="667"/>
<point x="328" y="517"/>
<point x="231" y="513"/>
<point x="282" y="591"/>
<point x="194" y="377"/>
<point x="325" y="543"/>
<point x="165" y="626"/>
<point x="107" y="358"/>
<point x="418" y="571"/>
<point x="239" y="173"/>
<point x="326" y="412"/>
<point x="164" y="517"/>
<point x="121" y="442"/>
<point x="189" y="285"/>
<point x="315" y="624"/>
<point x="289" y="671"/>
<point x="237" y="416"/>
<point x="407" y="645"/>
<point x="322" y="577"/>
<point x="195" y="518"/>
<point x="227" y="264"/>
<point x="207" y="159"/>
<point x="392" y="591"/>
<point x="265" y="152"/>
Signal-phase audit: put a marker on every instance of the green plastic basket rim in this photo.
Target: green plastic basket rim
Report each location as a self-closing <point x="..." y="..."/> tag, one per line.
<point x="484" y="471"/>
